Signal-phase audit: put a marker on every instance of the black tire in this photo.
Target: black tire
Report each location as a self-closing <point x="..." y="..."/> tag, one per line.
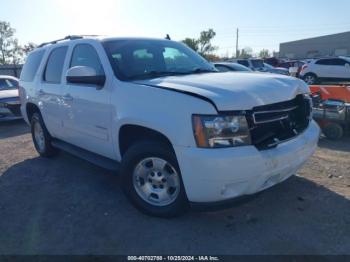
<point x="134" y="155"/>
<point x="46" y="150"/>
<point x="333" y="131"/>
<point x="310" y="78"/>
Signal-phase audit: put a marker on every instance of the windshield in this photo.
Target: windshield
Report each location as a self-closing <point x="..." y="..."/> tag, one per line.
<point x="257" y="63"/>
<point x="239" y="67"/>
<point x="142" y="59"/>
<point x="7" y="84"/>
<point x="268" y="66"/>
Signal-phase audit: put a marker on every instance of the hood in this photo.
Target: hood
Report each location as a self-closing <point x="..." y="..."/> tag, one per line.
<point x="234" y="91"/>
<point x="8" y="93"/>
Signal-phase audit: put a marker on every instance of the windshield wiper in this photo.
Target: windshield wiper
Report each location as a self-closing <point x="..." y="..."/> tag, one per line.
<point x="202" y="70"/>
<point x="154" y="74"/>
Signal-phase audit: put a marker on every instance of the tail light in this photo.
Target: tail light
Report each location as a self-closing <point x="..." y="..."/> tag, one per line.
<point x="304" y="67"/>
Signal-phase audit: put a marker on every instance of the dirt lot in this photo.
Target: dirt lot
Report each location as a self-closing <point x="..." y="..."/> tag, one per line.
<point x="67" y="206"/>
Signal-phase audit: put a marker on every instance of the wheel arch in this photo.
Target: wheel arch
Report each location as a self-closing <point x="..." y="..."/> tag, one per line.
<point x="129" y="134"/>
<point x="31" y="108"/>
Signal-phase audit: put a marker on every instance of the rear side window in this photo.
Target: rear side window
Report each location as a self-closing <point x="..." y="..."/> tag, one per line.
<point x="332" y="62"/>
<point x="54" y="66"/>
<point x="338" y="62"/>
<point x="86" y="55"/>
<point x="31" y="66"/>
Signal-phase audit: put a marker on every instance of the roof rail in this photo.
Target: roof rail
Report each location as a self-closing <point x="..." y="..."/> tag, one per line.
<point x="68" y="37"/>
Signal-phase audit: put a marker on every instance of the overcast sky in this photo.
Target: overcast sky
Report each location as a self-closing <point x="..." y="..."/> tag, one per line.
<point x="262" y="23"/>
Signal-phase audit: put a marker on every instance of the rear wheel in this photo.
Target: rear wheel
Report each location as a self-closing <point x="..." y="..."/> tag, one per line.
<point x="152" y="181"/>
<point x="41" y="137"/>
<point x="333" y="131"/>
<point x="310" y="79"/>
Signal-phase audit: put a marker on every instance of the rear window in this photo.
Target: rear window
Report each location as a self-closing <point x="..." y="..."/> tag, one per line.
<point x="31" y="66"/>
<point x="7" y="84"/>
<point x="54" y="66"/>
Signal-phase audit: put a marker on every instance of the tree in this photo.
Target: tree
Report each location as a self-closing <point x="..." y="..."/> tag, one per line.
<point x="202" y="45"/>
<point x="7" y="42"/>
<point x="192" y="43"/>
<point x="264" y="53"/>
<point x="205" y="46"/>
<point x="28" y="48"/>
<point x="11" y="52"/>
<point x="245" y="53"/>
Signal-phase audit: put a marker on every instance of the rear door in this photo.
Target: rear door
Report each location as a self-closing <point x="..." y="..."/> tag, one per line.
<point x="50" y="90"/>
<point x="87" y="108"/>
<point x="340" y="68"/>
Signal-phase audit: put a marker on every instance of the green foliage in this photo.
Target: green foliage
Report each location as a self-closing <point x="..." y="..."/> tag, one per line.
<point x="205" y="46"/>
<point x="192" y="43"/>
<point x="245" y="53"/>
<point x="202" y="45"/>
<point x="6" y="42"/>
<point x="10" y="50"/>
<point x="264" y="53"/>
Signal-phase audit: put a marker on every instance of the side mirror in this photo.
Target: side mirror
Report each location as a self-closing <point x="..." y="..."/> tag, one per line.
<point x="85" y="75"/>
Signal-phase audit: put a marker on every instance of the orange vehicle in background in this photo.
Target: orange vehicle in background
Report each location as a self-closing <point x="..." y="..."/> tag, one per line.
<point x="339" y="92"/>
<point x="331" y="109"/>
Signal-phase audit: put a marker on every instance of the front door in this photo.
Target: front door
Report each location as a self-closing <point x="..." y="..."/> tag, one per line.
<point x="87" y="109"/>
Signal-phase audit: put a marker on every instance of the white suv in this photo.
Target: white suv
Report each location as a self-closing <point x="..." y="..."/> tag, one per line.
<point x="178" y="131"/>
<point x="333" y="69"/>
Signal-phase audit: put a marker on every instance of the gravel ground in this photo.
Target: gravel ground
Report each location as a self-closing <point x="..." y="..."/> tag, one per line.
<point x="67" y="206"/>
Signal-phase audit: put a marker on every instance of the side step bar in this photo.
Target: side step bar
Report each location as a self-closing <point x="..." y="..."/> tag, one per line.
<point x="93" y="158"/>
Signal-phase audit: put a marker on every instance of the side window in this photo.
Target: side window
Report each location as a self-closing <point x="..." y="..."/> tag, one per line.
<point x="243" y="62"/>
<point x="31" y="66"/>
<point x="86" y="55"/>
<point x="338" y="62"/>
<point x="54" y="66"/>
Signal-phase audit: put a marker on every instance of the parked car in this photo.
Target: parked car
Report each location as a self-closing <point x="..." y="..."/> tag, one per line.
<point x="276" y="70"/>
<point x="252" y="63"/>
<point x="9" y="98"/>
<point x="179" y="132"/>
<point x="332" y="115"/>
<point x="326" y="69"/>
<point x="227" y="66"/>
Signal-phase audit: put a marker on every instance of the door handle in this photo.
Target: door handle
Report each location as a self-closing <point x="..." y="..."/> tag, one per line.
<point x="67" y="97"/>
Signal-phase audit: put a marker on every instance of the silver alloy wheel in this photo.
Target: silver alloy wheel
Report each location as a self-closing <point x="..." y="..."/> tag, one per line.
<point x="156" y="181"/>
<point x="39" y="136"/>
<point x="309" y="79"/>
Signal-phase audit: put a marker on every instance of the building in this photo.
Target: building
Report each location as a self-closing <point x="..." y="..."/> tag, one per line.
<point x="10" y="70"/>
<point x="329" y="45"/>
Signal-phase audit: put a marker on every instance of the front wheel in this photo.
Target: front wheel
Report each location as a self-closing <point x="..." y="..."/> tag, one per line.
<point x="152" y="181"/>
<point x="333" y="131"/>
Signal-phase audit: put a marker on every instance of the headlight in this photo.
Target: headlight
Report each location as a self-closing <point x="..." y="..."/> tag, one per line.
<point x="220" y="131"/>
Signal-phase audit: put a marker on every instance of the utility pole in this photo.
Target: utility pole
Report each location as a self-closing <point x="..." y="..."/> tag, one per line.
<point x="237" y="35"/>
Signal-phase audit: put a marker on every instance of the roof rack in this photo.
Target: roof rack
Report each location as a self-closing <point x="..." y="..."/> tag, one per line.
<point x="69" y="37"/>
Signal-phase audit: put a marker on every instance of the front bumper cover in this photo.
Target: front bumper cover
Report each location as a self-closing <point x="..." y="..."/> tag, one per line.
<point x="213" y="175"/>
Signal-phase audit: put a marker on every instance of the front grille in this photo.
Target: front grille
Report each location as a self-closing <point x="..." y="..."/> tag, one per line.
<point x="272" y="124"/>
